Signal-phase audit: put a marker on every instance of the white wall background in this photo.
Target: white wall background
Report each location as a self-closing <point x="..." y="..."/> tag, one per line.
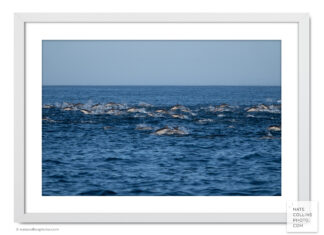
<point x="7" y="8"/>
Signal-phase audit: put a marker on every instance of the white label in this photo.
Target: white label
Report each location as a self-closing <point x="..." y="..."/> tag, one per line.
<point x="302" y="216"/>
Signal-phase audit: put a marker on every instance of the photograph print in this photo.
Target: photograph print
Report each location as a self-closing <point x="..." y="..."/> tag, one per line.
<point x="161" y="118"/>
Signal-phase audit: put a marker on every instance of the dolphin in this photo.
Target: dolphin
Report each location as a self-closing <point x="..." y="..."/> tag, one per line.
<point x="163" y="131"/>
<point x="47" y="119"/>
<point x="78" y="105"/>
<point x="180" y="116"/>
<point x="161" y="111"/>
<point x="274" y="128"/>
<point x="132" y="110"/>
<point x="220" y="108"/>
<point x="170" y="131"/>
<point x="85" y="111"/>
<point x="48" y="106"/>
<point x="114" y="112"/>
<point x="223" y="106"/>
<point x="113" y="105"/>
<point x="67" y="104"/>
<point x="181" y="108"/>
<point x="259" y="108"/>
<point x="253" y="109"/>
<point x="67" y="109"/>
<point x="176" y="107"/>
<point x="95" y="106"/>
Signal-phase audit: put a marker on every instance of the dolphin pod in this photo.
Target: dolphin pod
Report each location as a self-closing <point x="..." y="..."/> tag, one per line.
<point x="176" y="111"/>
<point x="180" y="112"/>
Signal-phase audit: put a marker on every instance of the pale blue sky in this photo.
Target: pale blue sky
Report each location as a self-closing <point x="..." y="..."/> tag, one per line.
<point x="162" y="62"/>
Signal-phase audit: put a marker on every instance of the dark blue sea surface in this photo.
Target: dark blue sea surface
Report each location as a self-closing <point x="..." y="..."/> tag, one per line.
<point x="161" y="141"/>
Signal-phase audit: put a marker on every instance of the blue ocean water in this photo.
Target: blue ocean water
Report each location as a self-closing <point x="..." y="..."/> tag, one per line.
<point x="161" y="141"/>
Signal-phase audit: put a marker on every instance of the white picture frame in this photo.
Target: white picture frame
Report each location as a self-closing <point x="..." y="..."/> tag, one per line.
<point x="21" y="19"/>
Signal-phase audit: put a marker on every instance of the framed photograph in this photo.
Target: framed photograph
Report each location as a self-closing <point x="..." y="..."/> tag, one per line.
<point x="160" y="118"/>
